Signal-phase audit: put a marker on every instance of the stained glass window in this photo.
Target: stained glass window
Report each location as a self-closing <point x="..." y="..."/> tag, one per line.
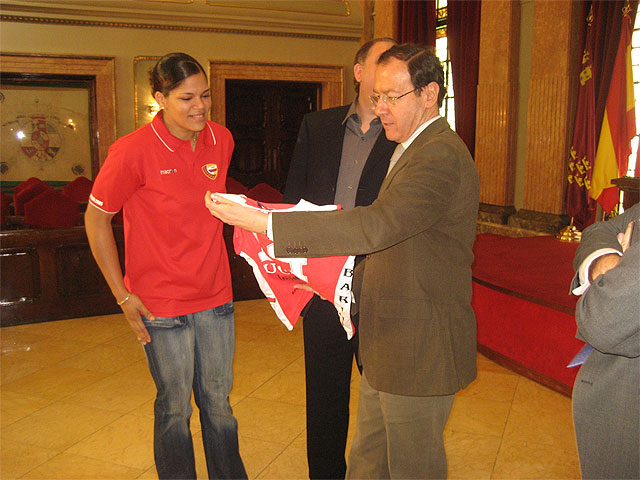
<point x="442" y="51"/>
<point x="635" y="66"/>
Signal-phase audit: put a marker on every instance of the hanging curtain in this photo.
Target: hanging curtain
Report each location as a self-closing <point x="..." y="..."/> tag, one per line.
<point x="417" y="21"/>
<point x="619" y="123"/>
<point x="607" y="25"/>
<point x="463" y="36"/>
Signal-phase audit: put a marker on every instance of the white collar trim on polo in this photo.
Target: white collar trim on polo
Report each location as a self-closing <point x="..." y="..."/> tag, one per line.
<point x="169" y="148"/>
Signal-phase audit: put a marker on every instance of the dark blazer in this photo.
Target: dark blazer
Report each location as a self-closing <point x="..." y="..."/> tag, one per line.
<point x="315" y="165"/>
<point x="606" y="393"/>
<point x="417" y="328"/>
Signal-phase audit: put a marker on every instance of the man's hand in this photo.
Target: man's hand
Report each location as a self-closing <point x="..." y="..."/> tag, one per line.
<point x="235" y="214"/>
<point x="625" y="238"/>
<point x="305" y="286"/>
<point x="603" y="264"/>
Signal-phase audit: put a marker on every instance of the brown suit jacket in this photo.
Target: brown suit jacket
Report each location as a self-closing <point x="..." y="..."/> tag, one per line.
<point x="417" y="328"/>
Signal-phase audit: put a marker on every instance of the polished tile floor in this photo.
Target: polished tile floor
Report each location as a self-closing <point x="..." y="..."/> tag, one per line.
<point x="77" y="403"/>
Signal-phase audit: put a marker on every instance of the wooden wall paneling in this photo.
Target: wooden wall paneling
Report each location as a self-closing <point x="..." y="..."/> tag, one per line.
<point x="20" y="278"/>
<point x="51" y="275"/>
<point x="77" y="274"/>
<point x="100" y="68"/>
<point x="330" y="77"/>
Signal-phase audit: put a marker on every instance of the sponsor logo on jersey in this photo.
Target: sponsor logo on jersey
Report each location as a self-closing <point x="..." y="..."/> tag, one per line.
<point x="168" y="171"/>
<point x="210" y="170"/>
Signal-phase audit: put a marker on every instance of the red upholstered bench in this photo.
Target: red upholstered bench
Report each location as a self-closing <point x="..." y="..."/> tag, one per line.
<point x="523" y="308"/>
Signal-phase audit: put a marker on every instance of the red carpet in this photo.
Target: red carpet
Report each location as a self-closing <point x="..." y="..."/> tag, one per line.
<point x="523" y="307"/>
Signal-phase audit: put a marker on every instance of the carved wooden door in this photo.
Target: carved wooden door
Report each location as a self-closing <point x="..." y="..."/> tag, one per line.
<point x="264" y="118"/>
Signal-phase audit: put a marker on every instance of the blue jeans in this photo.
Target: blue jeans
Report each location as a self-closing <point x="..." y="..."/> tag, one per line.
<point x="194" y="352"/>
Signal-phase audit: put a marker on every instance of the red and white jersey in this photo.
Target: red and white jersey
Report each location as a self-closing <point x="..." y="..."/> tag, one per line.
<point x="330" y="277"/>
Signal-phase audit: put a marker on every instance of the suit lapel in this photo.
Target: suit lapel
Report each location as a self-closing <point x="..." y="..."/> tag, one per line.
<point x="436" y="127"/>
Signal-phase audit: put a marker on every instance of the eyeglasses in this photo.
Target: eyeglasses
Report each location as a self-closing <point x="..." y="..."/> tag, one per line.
<point x="375" y="98"/>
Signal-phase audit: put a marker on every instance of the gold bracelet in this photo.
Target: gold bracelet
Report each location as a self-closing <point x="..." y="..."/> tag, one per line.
<point x="125" y="299"/>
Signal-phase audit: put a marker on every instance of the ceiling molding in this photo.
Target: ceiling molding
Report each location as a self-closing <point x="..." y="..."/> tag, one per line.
<point x="333" y="20"/>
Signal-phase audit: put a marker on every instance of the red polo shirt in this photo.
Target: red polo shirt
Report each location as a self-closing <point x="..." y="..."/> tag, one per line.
<point x="175" y="256"/>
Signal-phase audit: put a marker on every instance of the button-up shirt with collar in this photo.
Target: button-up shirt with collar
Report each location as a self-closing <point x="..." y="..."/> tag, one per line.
<point x="400" y="149"/>
<point x="356" y="147"/>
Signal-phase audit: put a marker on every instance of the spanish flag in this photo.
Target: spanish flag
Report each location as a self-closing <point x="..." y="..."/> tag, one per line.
<point x="618" y="125"/>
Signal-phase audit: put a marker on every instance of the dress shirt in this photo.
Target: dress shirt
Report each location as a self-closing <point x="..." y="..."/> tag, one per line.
<point x="404" y="144"/>
<point x="356" y="147"/>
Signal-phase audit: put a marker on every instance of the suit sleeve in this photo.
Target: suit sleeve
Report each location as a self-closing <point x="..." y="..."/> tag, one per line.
<point x="603" y="235"/>
<point x="608" y="313"/>
<point x="418" y="198"/>
<point x="298" y="169"/>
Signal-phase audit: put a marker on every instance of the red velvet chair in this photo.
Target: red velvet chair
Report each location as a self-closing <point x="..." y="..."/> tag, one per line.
<point x="78" y="190"/>
<point x="234" y="186"/>
<point x="51" y="209"/>
<point x="265" y="193"/>
<point x="25" y="184"/>
<point x="28" y="193"/>
<point x="18" y="188"/>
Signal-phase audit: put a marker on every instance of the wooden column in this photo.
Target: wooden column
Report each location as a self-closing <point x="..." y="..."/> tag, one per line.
<point x="385" y="15"/>
<point x="551" y="105"/>
<point x="496" y="120"/>
<point x="368" y="22"/>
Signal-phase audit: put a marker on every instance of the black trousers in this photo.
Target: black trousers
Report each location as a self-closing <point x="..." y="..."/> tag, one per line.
<point x="328" y="357"/>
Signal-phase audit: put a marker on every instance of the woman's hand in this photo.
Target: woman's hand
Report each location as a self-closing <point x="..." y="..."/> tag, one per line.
<point x="133" y="310"/>
<point x="235" y="214"/>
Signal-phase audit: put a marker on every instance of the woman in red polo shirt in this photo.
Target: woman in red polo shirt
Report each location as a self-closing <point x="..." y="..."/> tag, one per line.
<point x="176" y="292"/>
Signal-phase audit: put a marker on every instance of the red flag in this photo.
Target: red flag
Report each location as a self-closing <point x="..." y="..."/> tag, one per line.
<point x="579" y="204"/>
<point x="618" y="125"/>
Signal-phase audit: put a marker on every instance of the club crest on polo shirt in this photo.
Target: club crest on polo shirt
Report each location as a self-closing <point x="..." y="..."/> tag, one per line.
<point x="210" y="170"/>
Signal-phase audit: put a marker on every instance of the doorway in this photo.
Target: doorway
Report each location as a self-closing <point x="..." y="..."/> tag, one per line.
<point x="327" y="82"/>
<point x="264" y="118"/>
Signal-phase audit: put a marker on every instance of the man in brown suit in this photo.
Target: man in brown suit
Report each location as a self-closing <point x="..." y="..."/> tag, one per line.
<point x="417" y="328"/>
